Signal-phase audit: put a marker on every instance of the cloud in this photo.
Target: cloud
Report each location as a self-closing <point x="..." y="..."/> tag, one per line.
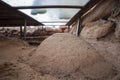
<point x="58" y="13"/>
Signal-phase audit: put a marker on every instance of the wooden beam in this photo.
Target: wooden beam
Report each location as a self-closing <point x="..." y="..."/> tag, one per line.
<point x="55" y="25"/>
<point x="87" y="7"/>
<point x="49" y="6"/>
<point x="54" y="21"/>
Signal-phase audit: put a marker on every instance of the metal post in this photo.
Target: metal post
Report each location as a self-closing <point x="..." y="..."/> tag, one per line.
<point x="78" y="27"/>
<point x="25" y="27"/>
<point x="21" y="32"/>
<point x="42" y="28"/>
<point x="68" y="28"/>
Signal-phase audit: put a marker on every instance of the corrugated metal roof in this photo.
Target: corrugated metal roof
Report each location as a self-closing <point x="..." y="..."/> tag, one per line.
<point x="49" y="10"/>
<point x="10" y="16"/>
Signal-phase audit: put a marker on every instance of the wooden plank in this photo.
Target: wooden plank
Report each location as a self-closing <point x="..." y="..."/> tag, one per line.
<point x="36" y="37"/>
<point x="55" y="22"/>
<point x="55" y="25"/>
<point x="87" y="7"/>
<point x="49" y="6"/>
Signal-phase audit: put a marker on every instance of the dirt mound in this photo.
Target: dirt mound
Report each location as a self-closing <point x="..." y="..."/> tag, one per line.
<point x="116" y="77"/>
<point x="13" y="54"/>
<point x="12" y="42"/>
<point x="107" y="46"/>
<point x="13" y="49"/>
<point x="97" y="29"/>
<point x="64" y="55"/>
<point x="109" y="50"/>
<point x="17" y="71"/>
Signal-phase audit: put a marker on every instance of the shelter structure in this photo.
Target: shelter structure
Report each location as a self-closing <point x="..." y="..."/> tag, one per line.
<point x="11" y="17"/>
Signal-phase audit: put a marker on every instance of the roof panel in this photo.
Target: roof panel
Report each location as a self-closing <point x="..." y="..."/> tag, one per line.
<point x="45" y="2"/>
<point x="86" y="8"/>
<point x="10" y="16"/>
<point x="47" y="14"/>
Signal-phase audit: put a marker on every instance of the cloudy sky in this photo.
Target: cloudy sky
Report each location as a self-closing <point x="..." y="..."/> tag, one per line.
<point x="50" y="14"/>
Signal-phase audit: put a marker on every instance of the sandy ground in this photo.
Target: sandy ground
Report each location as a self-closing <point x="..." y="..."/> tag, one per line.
<point x="13" y="54"/>
<point x="69" y="57"/>
<point x="108" y="47"/>
<point x="13" y="49"/>
<point x="61" y="56"/>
